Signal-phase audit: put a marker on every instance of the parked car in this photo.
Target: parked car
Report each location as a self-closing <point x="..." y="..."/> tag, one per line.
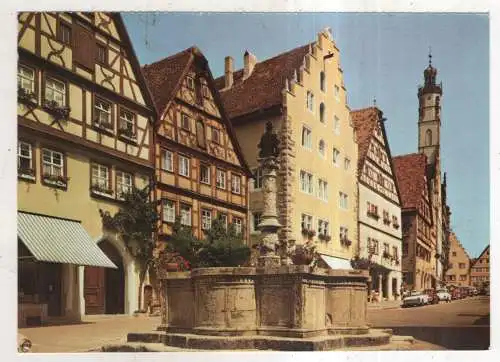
<point x="415" y="298"/>
<point x="455" y="294"/>
<point x="443" y="295"/>
<point x="433" y="298"/>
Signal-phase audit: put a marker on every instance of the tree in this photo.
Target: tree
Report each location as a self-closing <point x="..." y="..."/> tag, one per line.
<point x="222" y="246"/>
<point x="135" y="222"/>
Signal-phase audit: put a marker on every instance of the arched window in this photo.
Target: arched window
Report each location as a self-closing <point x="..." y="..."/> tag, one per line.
<point x="322" y="116"/>
<point x="321" y="148"/>
<point x="428" y="137"/>
<point x="322" y="81"/>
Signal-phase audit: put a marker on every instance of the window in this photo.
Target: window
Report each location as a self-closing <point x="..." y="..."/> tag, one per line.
<point x="257" y="218"/>
<point x="102" y="114"/>
<point x="238" y="225"/>
<point x="167" y="160"/>
<point x="347" y="163"/>
<point x="306" y="137"/>
<point x="306" y="222"/>
<point x="373" y="246"/>
<point x="386" y="248"/>
<point x="221" y="179"/>
<point x="455" y="254"/>
<point x="323" y="190"/>
<point x="322" y="116"/>
<point x="223" y="218"/>
<point x="428" y="137"/>
<point x="26" y="79"/>
<point x="126" y="126"/>
<point x="336" y="125"/>
<point x="321" y="148"/>
<point x="55" y="91"/>
<point x="323" y="227"/>
<point x="190" y="83"/>
<point x="310" y="101"/>
<point x="343" y="200"/>
<point x="322" y="81"/>
<point x="183" y="166"/>
<point x="336" y="156"/>
<point x="205" y="91"/>
<point x="336" y="91"/>
<point x="65" y="33"/>
<point x="206" y="219"/>
<point x="101" y="179"/>
<point x="343" y="233"/>
<point x="186" y="215"/>
<point x="395" y="252"/>
<point x="463" y="277"/>
<point x="205" y="174"/>
<point x="257" y="182"/>
<point x="168" y="211"/>
<point x="306" y="182"/>
<point x="24" y="158"/>
<point x="124" y="182"/>
<point x="216" y="135"/>
<point x="52" y="163"/>
<point x="461" y="265"/>
<point x="200" y="134"/>
<point x="185" y="122"/>
<point x="102" y="54"/>
<point x="236" y="184"/>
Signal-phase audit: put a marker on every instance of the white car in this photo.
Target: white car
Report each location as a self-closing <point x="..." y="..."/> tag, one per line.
<point x="443" y="295"/>
<point x="415" y="298"/>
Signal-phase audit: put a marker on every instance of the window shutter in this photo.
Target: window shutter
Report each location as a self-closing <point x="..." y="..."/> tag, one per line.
<point x="83" y="51"/>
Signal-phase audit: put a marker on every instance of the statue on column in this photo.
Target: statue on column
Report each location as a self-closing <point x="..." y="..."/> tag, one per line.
<point x="269" y="225"/>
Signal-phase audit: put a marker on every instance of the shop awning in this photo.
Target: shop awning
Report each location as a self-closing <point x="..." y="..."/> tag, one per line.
<point x="336" y="263"/>
<point x="57" y="240"/>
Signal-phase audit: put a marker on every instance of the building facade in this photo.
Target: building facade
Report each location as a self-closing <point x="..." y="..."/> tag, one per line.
<point x="200" y="172"/>
<point x="459" y="267"/>
<point x="419" y="243"/>
<point x="84" y="128"/>
<point x="480" y="270"/>
<point x="302" y="92"/>
<point x="380" y="237"/>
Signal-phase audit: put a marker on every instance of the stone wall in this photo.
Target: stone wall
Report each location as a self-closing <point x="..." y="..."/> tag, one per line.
<point x="286" y="301"/>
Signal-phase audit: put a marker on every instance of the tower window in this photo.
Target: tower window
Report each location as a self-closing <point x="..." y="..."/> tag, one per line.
<point x="428" y="137"/>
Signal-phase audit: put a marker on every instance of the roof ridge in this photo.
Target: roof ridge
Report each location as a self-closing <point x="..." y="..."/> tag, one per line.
<point x="170" y="57"/>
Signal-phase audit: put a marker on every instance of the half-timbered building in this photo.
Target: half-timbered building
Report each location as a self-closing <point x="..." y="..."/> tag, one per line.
<point x="84" y="126"/>
<point x="419" y="242"/>
<point x="379" y="211"/>
<point x="200" y="173"/>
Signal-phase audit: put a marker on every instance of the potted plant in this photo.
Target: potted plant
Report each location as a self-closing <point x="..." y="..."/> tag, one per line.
<point x="345" y="241"/>
<point x="361" y="263"/>
<point x="311" y="233"/>
<point x="386" y="255"/>
<point x="98" y="189"/>
<point x="59" y="112"/>
<point x="303" y="254"/>
<point x="104" y="125"/>
<point x="127" y="133"/>
<point x="58" y="180"/>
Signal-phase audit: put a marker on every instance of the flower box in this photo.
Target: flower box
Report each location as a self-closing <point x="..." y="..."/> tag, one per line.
<point x="324" y="237"/>
<point x="104" y="126"/>
<point x="345" y="242"/>
<point x="361" y="263"/>
<point x="27" y="174"/>
<point x="395" y="225"/>
<point x="128" y="134"/>
<point x="309" y="233"/>
<point x="59" y="181"/>
<point x="26" y="96"/>
<point x="101" y="191"/>
<point x="373" y="215"/>
<point x="58" y="111"/>
<point x="386" y="255"/>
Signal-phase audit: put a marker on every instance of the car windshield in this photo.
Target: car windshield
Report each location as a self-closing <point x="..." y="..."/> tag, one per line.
<point x="415" y="293"/>
<point x="442" y="291"/>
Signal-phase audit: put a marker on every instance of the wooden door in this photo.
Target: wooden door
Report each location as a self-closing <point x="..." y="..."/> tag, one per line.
<point x="53" y="289"/>
<point x="94" y="290"/>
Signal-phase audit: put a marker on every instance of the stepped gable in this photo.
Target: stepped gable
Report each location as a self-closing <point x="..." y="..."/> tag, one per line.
<point x="263" y="88"/>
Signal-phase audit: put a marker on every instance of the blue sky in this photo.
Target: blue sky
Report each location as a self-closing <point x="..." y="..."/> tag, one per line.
<point x="383" y="56"/>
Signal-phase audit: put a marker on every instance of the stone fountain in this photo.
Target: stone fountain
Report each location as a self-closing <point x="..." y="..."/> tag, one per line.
<point x="271" y="306"/>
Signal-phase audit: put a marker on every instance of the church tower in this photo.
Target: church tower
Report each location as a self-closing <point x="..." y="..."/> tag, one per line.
<point x="429" y="120"/>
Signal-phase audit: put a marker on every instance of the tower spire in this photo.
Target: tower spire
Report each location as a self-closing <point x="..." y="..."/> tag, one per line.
<point x="430" y="56"/>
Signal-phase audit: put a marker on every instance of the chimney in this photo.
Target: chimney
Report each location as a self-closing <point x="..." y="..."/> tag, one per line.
<point x="249" y="61"/>
<point x="228" y="72"/>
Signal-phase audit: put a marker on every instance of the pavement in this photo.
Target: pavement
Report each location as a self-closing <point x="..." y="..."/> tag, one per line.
<point x="462" y="324"/>
<point x="387" y="304"/>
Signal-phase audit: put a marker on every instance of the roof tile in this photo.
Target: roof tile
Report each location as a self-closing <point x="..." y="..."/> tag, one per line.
<point x="410" y="174"/>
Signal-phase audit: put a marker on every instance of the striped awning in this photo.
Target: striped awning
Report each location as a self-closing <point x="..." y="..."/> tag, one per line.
<point x="58" y="240"/>
<point x="336" y="263"/>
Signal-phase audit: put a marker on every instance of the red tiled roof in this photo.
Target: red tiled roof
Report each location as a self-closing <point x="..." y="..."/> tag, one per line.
<point x="263" y="88"/>
<point x="163" y="76"/>
<point x="410" y="174"/>
<point x="364" y="121"/>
